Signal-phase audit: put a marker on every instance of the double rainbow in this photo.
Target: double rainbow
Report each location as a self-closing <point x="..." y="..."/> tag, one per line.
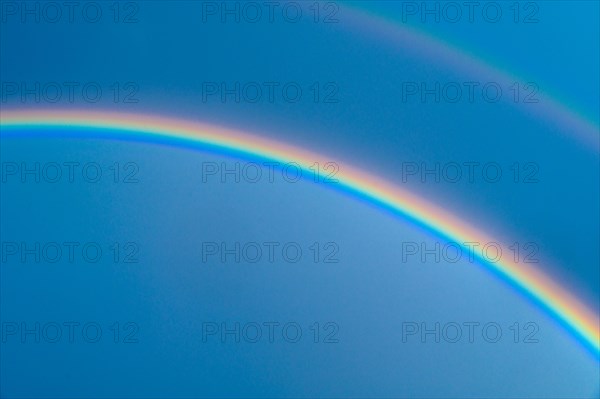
<point x="572" y="314"/>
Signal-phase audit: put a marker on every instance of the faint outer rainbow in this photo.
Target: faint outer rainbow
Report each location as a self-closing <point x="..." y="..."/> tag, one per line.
<point x="562" y="305"/>
<point x="418" y="42"/>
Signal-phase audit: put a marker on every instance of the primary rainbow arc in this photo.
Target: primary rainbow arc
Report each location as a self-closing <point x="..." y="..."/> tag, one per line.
<point x="572" y="314"/>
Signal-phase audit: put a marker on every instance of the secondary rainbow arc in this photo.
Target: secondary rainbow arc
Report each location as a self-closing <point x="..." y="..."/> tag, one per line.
<point x="570" y="121"/>
<point x="571" y="313"/>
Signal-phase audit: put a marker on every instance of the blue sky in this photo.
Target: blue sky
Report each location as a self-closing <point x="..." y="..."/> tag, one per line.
<point x="168" y="57"/>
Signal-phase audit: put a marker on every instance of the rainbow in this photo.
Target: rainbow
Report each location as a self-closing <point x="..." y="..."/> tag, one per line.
<point x="426" y="45"/>
<point x="572" y="314"/>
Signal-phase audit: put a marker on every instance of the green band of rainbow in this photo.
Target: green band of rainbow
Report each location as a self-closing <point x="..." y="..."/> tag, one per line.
<point x="562" y="305"/>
